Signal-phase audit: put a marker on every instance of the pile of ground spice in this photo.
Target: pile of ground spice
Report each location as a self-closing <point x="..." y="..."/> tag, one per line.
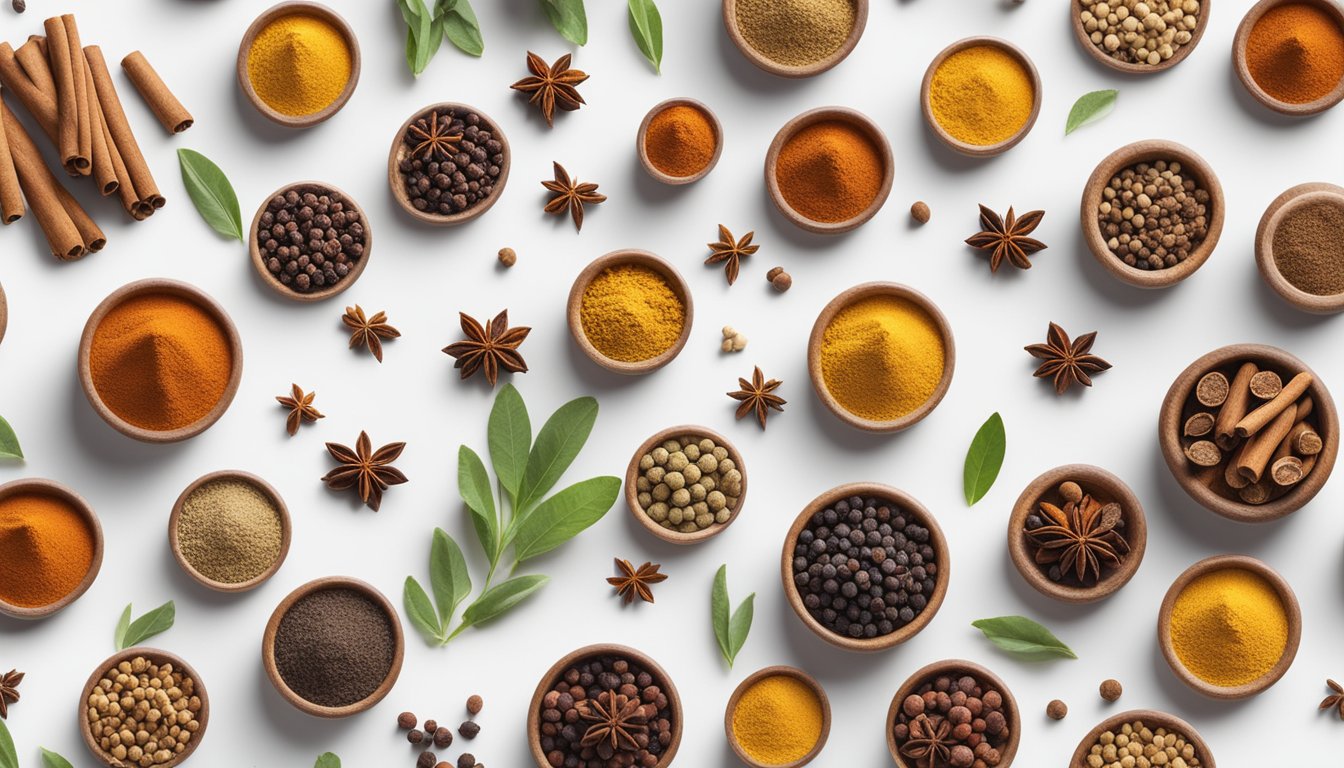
<point x="1229" y="627"/>
<point x="981" y="95"/>
<point x="830" y="171"/>
<point x="1295" y="53"/>
<point x="1308" y="249"/>
<point x="298" y="64"/>
<point x="630" y="313"/>
<point x="795" y="33"/>
<point x="229" y="531"/>
<point x="46" y="549"/>
<point x="680" y="141"/>
<point x="334" y="647"/>
<point x="882" y="357"/>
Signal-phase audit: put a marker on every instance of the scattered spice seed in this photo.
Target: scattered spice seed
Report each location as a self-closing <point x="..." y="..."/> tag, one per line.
<point x="368" y="331"/>
<point x="426" y="760"/>
<point x="475" y="704"/>
<point x="508" y="257"/>
<point x="920" y="212"/>
<point x="1335" y="699"/>
<point x="758" y="395"/>
<point x="570" y="196"/>
<point x="1006" y="239"/>
<point x="730" y="252"/>
<point x="733" y="340"/>
<point x="406" y="720"/>
<point x="1056" y="710"/>
<point x="553" y="86"/>
<point x="369" y="472"/>
<point x="443" y="737"/>
<point x="1111" y="689"/>
<point x="9" y="691"/>
<point x="415" y="736"/>
<point x="465" y="760"/>
<point x="1066" y="361"/>
<point x="431" y="726"/>
<point x="20" y="6"/>
<point x="636" y="582"/>
<point x="468" y="729"/>
<point x="780" y="280"/>
<point x="300" y="409"/>
<point x="489" y="349"/>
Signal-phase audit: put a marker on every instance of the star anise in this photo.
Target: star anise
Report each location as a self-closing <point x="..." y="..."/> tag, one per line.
<point x="369" y="472"/>
<point x="758" y="395"/>
<point x="300" y="408"/>
<point x="1335" y="699"/>
<point x="368" y="331"/>
<point x="435" y="140"/>
<point x="570" y="195"/>
<point x="731" y="252"/>
<point x="1067" y="361"/>
<point x="489" y="349"/>
<point x="1007" y="239"/>
<point x="1080" y="537"/>
<point x="929" y="743"/>
<point x="552" y="86"/>
<point x="636" y="582"/>
<point x="9" y="690"/>
<point x="616" y="719"/>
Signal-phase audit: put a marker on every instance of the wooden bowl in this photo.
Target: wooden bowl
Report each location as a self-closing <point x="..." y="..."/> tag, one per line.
<point x="642" y="136"/>
<point x="272" y="626"/>
<point x="618" y="259"/>
<point x="908" y="504"/>
<point x="980" y="150"/>
<point x="864" y="291"/>
<point x="957" y="667"/>
<point x="179" y="290"/>
<point x="632" y="474"/>
<point x="1105" y="488"/>
<point x="398" y="152"/>
<point x="603" y="649"/>
<point x="1290" y="606"/>
<point x="1139" y="69"/>
<point x="1301" y="194"/>
<point x="267" y="490"/>
<point x="4" y="313"/>
<point x="76" y="502"/>
<point x="1243" y="36"/>
<point x="310" y="9"/>
<point x="776" y="671"/>
<point x="1141" y="152"/>
<point x="259" y="264"/>
<point x="786" y="70"/>
<point x="1151" y="718"/>
<point x="1170" y="420"/>
<point x="154" y="656"/>
<point x="807" y="119"/>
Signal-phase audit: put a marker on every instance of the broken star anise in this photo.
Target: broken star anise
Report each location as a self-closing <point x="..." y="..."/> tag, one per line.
<point x="553" y="86"/>
<point x="1066" y="361"/>
<point x="489" y="348"/>
<point x="300" y="408"/>
<point x="9" y="690"/>
<point x="1079" y="538"/>
<point x="617" y="721"/>
<point x="731" y="252"/>
<point x="1335" y="699"/>
<point x="636" y="582"/>
<point x="758" y="395"/>
<point x="570" y="195"/>
<point x="368" y="331"/>
<point x="1006" y="239"/>
<point x="929" y="743"/>
<point x="369" y="472"/>
<point x="435" y="141"/>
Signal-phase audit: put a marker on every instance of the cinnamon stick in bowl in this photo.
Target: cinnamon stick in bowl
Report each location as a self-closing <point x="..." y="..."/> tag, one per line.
<point x="171" y="114"/>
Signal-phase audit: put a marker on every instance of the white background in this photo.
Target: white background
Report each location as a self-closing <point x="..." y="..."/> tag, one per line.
<point x="422" y="277"/>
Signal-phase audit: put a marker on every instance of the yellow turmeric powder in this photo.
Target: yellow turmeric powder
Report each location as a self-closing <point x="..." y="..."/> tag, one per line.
<point x="777" y="720"/>
<point x="981" y="95"/>
<point x="630" y="313"/>
<point x="1229" y="627"/>
<point x="882" y="357"/>
<point x="298" y="64"/>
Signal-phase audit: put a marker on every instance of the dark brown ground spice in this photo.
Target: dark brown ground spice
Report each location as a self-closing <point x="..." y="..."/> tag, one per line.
<point x="1309" y="248"/>
<point x="334" y="647"/>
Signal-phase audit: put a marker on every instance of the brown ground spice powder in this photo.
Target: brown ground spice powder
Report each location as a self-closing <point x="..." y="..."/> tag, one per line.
<point x="1308" y="249"/>
<point x="795" y="33"/>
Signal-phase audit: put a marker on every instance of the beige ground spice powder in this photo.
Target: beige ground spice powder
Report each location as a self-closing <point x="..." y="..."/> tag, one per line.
<point x="795" y="33"/>
<point x="229" y="531"/>
<point x="1308" y="249"/>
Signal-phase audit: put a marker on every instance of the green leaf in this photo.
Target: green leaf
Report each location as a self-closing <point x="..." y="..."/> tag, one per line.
<point x="123" y="624"/>
<point x="9" y="442"/>
<point x="510" y="435"/>
<point x="569" y="19"/>
<point x="719" y="612"/>
<point x="1020" y="635"/>
<point x="212" y="193"/>
<point x="740" y="626"/>
<point x="984" y="459"/>
<point x="421" y="611"/>
<point x="501" y="598"/>
<point x="1089" y="108"/>
<point x="646" y="25"/>
<point x="156" y="621"/>
<point x="565" y="515"/>
<point x="473" y="485"/>
<point x="327" y="760"/>
<point x="448" y="575"/>
<point x="8" y="757"/>
<point x="558" y="443"/>
<point x="52" y="760"/>
<point x="461" y="27"/>
<point x="420" y="30"/>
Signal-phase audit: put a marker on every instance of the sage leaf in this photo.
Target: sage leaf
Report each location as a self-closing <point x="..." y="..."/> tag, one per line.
<point x="8" y="757"/>
<point x="9" y="442"/>
<point x="569" y="19"/>
<point x="460" y="26"/>
<point x="156" y="621"/>
<point x="729" y="629"/>
<point x="448" y="575"/>
<point x="1020" y="635"/>
<point x="421" y="611"/>
<point x="123" y="624"/>
<point x="646" y="25"/>
<point x="1089" y="108"/>
<point x="211" y="193"/>
<point x="419" y="30"/>
<point x="984" y="459"/>
<point x="52" y="760"/>
<point x="558" y="444"/>
<point x="565" y="515"/>
<point x="473" y="485"/>
<point x="502" y="598"/>
<point x="327" y="760"/>
<point x="510" y="436"/>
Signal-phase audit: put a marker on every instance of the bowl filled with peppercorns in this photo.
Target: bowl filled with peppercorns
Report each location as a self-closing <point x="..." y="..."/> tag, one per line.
<point x="957" y="710"/>
<point x="1118" y="740"/>
<point x="686" y="484"/>
<point x="448" y="164"/>
<point x="309" y="241"/>
<point x="1140" y="37"/>
<point x="143" y="691"/>
<point x="865" y="566"/>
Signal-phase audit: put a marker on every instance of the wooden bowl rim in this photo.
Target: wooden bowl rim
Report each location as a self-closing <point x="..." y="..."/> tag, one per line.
<point x="1169" y="424"/>
<point x="267" y="490"/>
<point x="1290" y="607"/>
<point x="641" y="138"/>
<point x="287" y="8"/>
<point x="865" y="291"/>
<point x="326" y="292"/>
<point x="397" y="150"/>
<point x="154" y="656"/>
<point x="1243" y="36"/>
<point x="790" y="71"/>
<point x="1264" y="245"/>
<point x="908" y="504"/>
<point x="43" y="486"/>
<point x="312" y="587"/>
<point x="778" y="670"/>
<point x="4" y="313"/>
<point x="181" y="290"/>
<point x="618" y="258"/>
<point x="980" y="150"/>
<point x="1151" y="718"/>
<point x="947" y="667"/>
<point x="1150" y="150"/>
<point x="632" y="474"/>
<point x="854" y="118"/>
<point x="1140" y="69"/>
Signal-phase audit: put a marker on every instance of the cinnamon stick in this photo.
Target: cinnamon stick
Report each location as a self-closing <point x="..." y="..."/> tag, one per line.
<point x="1304" y="440"/>
<point x="39" y="187"/>
<point x="67" y="116"/>
<point x="171" y="114"/>
<point x="1261" y="447"/>
<point x="1234" y="479"/>
<point x="11" y="195"/>
<point x="41" y="105"/>
<point x="82" y="96"/>
<point x="147" y="193"/>
<point x="1235" y="407"/>
<point x="104" y="172"/>
<point x="1256" y="420"/>
<point x="40" y="41"/>
<point x="36" y="67"/>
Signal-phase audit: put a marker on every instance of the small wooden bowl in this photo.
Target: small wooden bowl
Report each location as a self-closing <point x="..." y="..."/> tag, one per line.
<point x="1243" y="36"/>
<point x="1290" y="606"/>
<point x="288" y="8"/>
<point x="1170" y="419"/>
<point x="398" y="152"/>
<point x="858" y="293"/>
<point x="1105" y="488"/>
<point x="632" y="475"/>
<point x="957" y="667"/>
<point x="1151" y="718"/>
<point x="4" y="313"/>
<point x="980" y="150"/>
<point x="1144" y="152"/>
<point x="272" y="626"/>
<point x="1139" y="69"/>
<point x="548" y="680"/>
<point x="1301" y="194"/>
<point x="259" y="264"/>
<point x="617" y="259"/>
<point x="807" y="119"/>
<point x="267" y="490"/>
<point x="908" y="504"/>
<point x="786" y="70"/>
<point x="76" y="502"/>
<point x="179" y="290"/>
<point x="752" y="679"/>
<point x="154" y="656"/>
<point x="641" y="139"/>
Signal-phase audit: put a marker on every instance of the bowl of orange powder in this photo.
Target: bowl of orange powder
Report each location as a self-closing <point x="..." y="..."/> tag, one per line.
<point x="1290" y="55"/>
<point x="679" y="141"/>
<point x="829" y="170"/>
<point x="51" y="547"/>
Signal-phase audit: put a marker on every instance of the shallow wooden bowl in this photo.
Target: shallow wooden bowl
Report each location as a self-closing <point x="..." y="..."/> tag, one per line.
<point x="398" y="152"/>
<point x="1140" y="152"/>
<point x="76" y="502"/>
<point x="632" y="474"/>
<point x="1105" y="488"/>
<point x="642" y="136"/>
<point x="548" y="680"/>
<point x="1152" y="719"/>
<point x="310" y="9"/>
<point x="183" y="291"/>
<point x="326" y="292"/>
<point x="906" y="503"/>
<point x="272" y="626"/>
<point x="267" y="490"/>
<point x="1169" y="434"/>
<point x="864" y="291"/>
<point x="980" y="150"/>
<point x="1139" y="69"/>
<point x="752" y="679"/>
<point x="154" y="656"/>
<point x="616" y="259"/>
<point x="955" y="668"/>
<point x="1239" y="63"/>
<point x="4" y="313"/>
<point x="823" y="114"/>
<point x="1301" y="194"/>
<point x="1290" y="606"/>
<point x="785" y="70"/>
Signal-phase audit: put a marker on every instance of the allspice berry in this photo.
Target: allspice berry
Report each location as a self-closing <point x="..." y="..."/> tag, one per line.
<point x="475" y="704"/>
<point x="430" y="727"/>
<point x="20" y="6"/>
<point x="1056" y="710"/>
<point x="407" y="720"/>
<point x="1111" y="690"/>
<point x="426" y="760"/>
<point x="469" y="730"/>
<point x="467" y="760"/>
<point x="508" y="257"/>
<point x="780" y="279"/>
<point x="443" y="737"/>
<point x="415" y="736"/>
<point x="920" y="212"/>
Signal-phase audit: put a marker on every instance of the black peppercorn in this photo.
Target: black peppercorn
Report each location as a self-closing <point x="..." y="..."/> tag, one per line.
<point x="451" y="162"/>
<point x="406" y="721"/>
<point x="469" y="730"/>
<point x="310" y="241"/>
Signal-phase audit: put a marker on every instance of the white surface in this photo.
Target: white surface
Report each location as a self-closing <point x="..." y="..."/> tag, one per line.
<point x="423" y="276"/>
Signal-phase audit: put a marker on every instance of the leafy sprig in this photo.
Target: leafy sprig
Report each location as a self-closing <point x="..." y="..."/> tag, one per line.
<point x="426" y="29"/>
<point x="730" y="630"/>
<point x="132" y="633"/>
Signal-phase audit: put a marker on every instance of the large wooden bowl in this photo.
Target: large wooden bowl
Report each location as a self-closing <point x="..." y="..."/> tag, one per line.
<point x="1239" y="62"/>
<point x="76" y="502"/>
<point x="1302" y="194"/>
<point x="154" y="656"/>
<point x="1152" y="719"/>
<point x="786" y="70"/>
<point x="980" y="150"/>
<point x="310" y="9"/>
<point x="266" y="490"/>
<point x="777" y="671"/>
<point x="641" y="141"/>
<point x="398" y="152"/>
<point x="326" y="292"/>
<point x="1132" y="68"/>
<point x="952" y="668"/>
<point x="859" y="121"/>
<point x="632" y="474"/>
<point x="574" y="309"/>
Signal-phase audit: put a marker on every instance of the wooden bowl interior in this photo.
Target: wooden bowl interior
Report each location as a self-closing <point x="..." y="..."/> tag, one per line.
<point x="980" y="150"/>
<point x="807" y="119"/>
<point x="794" y="71"/>
<point x="1152" y="719"/>
<point x="1140" y="69"/>
<point x="641" y="139"/>
<point x="752" y="679"/>
<point x="154" y="656"/>
<point x="1243" y="70"/>
<point x="286" y="9"/>
<point x="77" y="503"/>
<point x="398" y="152"/>
<point x="574" y="309"/>
<point x="1282" y="205"/>
<point x="632" y="474"/>
<point x="258" y="263"/>
<point x="956" y="668"/>
<point x="267" y="490"/>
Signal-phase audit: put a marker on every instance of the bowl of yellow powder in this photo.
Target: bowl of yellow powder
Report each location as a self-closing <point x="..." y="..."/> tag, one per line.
<point x="1141" y="726"/>
<point x="981" y="96"/>
<point x="779" y="717"/>
<point x="230" y="531"/>
<point x="881" y="356"/>
<point x="298" y="63"/>
<point x="51" y="547"/>
<point x="829" y="170"/>
<point x="630" y="312"/>
<point x="1229" y="626"/>
<point x="795" y="38"/>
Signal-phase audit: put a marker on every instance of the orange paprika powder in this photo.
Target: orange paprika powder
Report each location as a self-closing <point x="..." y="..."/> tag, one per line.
<point x="830" y="171"/>
<point x="46" y="549"/>
<point x="680" y="140"/>
<point x="1295" y="53"/>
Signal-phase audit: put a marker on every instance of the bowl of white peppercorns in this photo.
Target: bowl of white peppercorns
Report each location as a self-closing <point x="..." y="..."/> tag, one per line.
<point x="143" y="707"/>
<point x="686" y="484"/>
<point x="1140" y="36"/>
